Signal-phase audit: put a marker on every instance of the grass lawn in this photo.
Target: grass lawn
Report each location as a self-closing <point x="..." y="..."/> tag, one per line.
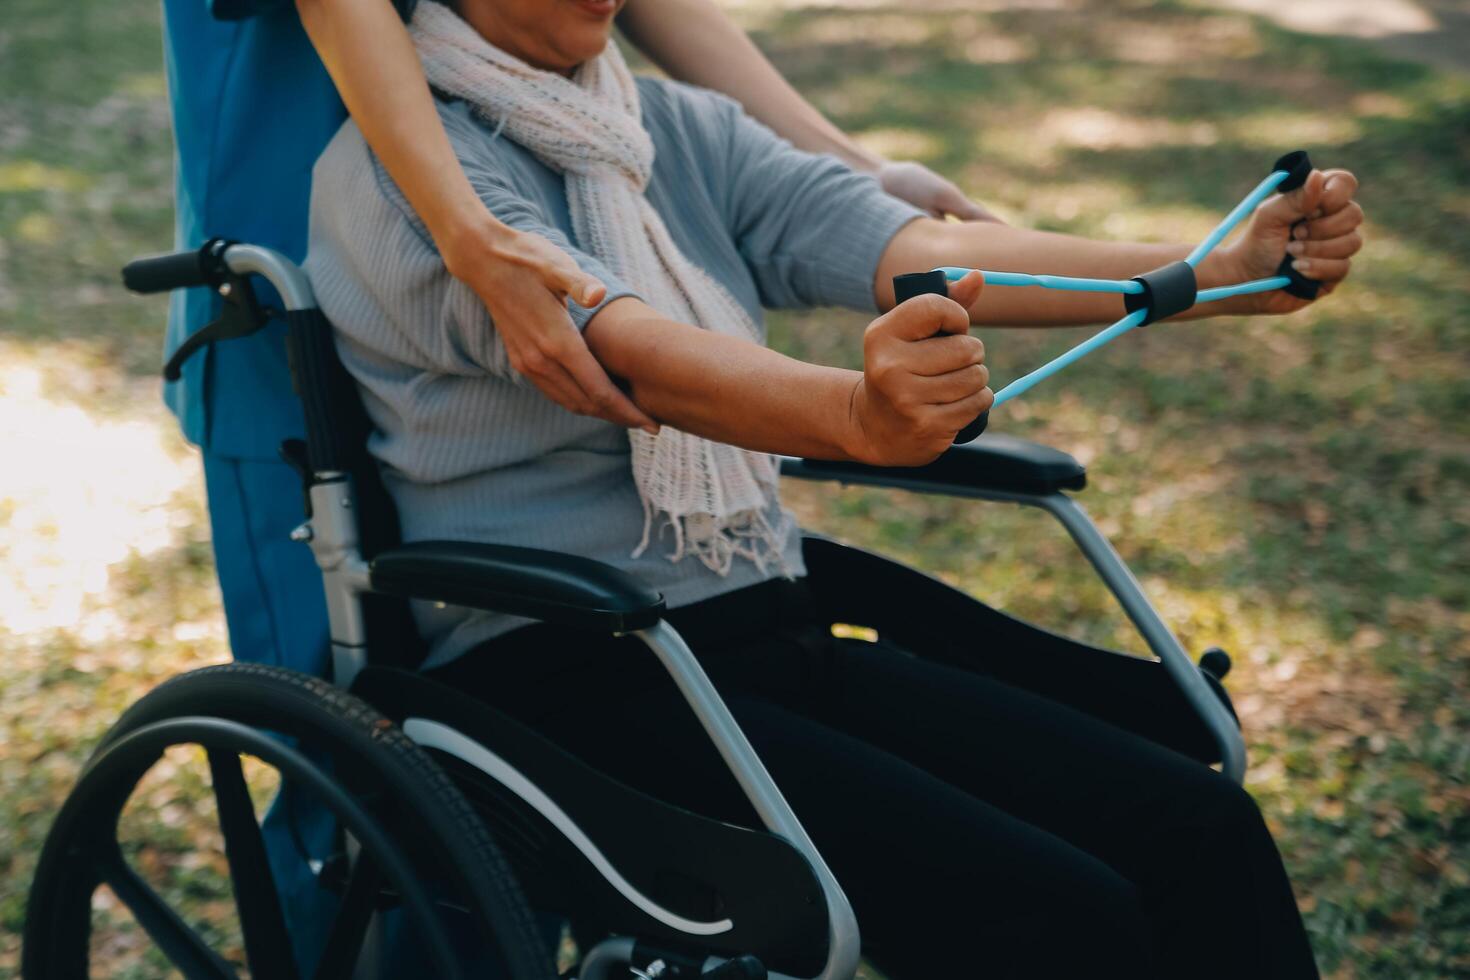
<point x="1296" y="491"/>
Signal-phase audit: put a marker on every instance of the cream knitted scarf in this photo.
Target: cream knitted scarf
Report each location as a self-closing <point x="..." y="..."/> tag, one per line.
<point x="589" y="128"/>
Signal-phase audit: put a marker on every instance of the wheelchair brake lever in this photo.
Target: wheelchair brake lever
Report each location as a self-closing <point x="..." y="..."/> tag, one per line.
<point x="906" y="287"/>
<point x="240" y="316"/>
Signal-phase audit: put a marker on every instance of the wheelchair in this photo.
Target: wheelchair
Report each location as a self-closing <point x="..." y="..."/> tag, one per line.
<point x="461" y="820"/>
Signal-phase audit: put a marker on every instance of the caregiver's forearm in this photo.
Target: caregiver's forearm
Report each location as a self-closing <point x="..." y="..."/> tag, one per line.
<point x="924" y="244"/>
<point x="697" y="42"/>
<point x="372" y="61"/>
<point x="724" y="388"/>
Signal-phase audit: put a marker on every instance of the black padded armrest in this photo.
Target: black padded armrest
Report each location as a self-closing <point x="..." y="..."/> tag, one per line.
<point x="992" y="462"/>
<point x="545" y="585"/>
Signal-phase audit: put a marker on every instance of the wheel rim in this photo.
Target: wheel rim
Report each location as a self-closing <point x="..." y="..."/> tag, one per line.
<point x="82" y="852"/>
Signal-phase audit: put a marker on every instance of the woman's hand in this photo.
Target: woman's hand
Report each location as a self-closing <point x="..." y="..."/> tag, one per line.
<point x="1317" y="225"/>
<point x="918" y="390"/>
<point x="525" y="281"/>
<point x="926" y="190"/>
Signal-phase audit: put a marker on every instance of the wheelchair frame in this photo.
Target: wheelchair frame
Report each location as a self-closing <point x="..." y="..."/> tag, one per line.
<point x="332" y="534"/>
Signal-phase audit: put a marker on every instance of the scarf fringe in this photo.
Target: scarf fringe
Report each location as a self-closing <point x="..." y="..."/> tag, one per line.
<point x="716" y="544"/>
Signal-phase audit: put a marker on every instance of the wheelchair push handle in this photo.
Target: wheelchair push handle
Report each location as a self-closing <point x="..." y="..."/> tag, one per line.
<point x="906" y="287"/>
<point x="175" y="270"/>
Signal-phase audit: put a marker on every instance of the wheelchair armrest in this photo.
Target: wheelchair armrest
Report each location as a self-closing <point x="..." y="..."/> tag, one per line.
<point x="992" y="462"/>
<point x="555" y="588"/>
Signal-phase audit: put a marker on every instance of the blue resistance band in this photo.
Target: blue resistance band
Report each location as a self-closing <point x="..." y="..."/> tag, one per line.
<point x="1165" y="291"/>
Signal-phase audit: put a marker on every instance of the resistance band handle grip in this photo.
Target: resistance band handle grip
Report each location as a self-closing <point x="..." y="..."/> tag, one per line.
<point x="1298" y="166"/>
<point x="1300" y="286"/>
<point x="905" y="288"/>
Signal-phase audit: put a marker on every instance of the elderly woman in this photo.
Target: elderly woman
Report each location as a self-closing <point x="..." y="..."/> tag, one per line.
<point x="946" y="801"/>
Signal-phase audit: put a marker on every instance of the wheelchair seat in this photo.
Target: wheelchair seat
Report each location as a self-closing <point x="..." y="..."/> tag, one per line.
<point x="598" y="851"/>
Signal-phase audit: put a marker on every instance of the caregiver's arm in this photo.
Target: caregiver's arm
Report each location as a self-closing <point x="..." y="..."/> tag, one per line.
<point x="915" y="392"/>
<point x="697" y="42"/>
<point x="523" y="280"/>
<point x="1322" y="246"/>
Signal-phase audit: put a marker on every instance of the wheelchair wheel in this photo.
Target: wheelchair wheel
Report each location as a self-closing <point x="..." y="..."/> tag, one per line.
<point x="415" y="843"/>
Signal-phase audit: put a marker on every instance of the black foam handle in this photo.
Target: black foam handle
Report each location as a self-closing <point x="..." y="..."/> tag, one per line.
<point x="162" y="273"/>
<point x="1300" y="286"/>
<point x="1298" y="166"/>
<point x="906" y="287"/>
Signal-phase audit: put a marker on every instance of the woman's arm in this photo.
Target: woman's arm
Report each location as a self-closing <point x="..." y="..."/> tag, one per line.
<point x="1316" y="224"/>
<point x="695" y="41"/>
<point x="915" y="392"/>
<point x="926" y="243"/>
<point x="523" y="280"/>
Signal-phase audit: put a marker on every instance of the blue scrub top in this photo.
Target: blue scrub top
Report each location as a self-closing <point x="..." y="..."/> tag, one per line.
<point x="252" y="107"/>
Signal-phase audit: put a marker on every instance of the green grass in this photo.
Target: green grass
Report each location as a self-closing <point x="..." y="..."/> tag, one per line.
<point x="1297" y="491"/>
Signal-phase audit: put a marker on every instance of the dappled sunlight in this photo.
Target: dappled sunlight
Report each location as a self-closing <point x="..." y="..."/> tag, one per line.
<point x="929" y="6"/>
<point x="1184" y="43"/>
<point x="79" y="494"/>
<point x="1352" y="18"/>
<point x="901" y="144"/>
<point x="1099" y="129"/>
<point x="1269" y="130"/>
<point x="38" y="229"/>
<point x="989" y="48"/>
<point x="33" y="175"/>
<point x="1063" y="201"/>
<point x="891" y="28"/>
<point x="1094" y="128"/>
<point x="1384" y="105"/>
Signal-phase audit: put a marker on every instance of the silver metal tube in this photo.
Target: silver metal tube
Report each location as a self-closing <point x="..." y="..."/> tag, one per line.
<point x="279" y="271"/>
<point x="844" y="945"/>
<point x="334" y="544"/>
<point x="1119" y="580"/>
<point x="1160" y="640"/>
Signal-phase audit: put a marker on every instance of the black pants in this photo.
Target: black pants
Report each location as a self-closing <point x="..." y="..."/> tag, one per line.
<point x="977" y="828"/>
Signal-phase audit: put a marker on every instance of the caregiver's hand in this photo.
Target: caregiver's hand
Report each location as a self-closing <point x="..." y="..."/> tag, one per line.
<point x="1316" y="225"/>
<point x="918" y="389"/>
<point x="525" y="282"/>
<point x="926" y="190"/>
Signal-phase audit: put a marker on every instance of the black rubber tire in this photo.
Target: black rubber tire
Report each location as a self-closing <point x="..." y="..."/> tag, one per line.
<point x="362" y="745"/>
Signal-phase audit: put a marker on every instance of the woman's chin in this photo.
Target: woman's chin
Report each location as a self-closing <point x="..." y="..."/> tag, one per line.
<point x="582" y="43"/>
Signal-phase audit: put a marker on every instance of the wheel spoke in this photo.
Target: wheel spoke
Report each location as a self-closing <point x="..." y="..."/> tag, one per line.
<point x="183" y="946"/>
<point x="267" y="944"/>
<point x="350" y="927"/>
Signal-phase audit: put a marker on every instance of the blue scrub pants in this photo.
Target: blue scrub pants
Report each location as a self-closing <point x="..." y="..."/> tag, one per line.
<point x="277" y="615"/>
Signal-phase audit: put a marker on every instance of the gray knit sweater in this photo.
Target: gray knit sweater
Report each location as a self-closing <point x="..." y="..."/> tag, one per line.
<point x="470" y="452"/>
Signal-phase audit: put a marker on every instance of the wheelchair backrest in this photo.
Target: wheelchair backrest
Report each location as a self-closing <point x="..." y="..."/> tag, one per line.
<point x="338" y="429"/>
